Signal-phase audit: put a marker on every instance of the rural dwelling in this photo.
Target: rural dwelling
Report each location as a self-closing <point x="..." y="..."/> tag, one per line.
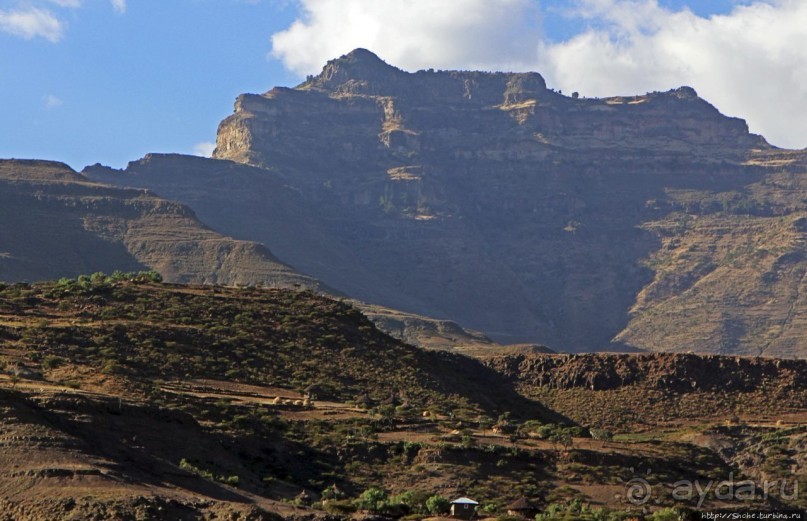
<point x="521" y="508"/>
<point x="463" y="508"/>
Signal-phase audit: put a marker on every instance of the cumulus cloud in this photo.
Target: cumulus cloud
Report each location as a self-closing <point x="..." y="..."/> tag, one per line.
<point x="204" y="149"/>
<point x="413" y="34"/>
<point x="750" y="63"/>
<point x="31" y="22"/>
<point x="29" y="19"/>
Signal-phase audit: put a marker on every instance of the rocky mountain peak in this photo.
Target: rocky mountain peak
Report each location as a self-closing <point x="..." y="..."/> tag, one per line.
<point x="360" y="60"/>
<point x="685" y="92"/>
<point x="358" y="72"/>
<point x="361" y="72"/>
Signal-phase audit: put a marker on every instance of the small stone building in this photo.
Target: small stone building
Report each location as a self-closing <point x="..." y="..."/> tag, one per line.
<point x="464" y="508"/>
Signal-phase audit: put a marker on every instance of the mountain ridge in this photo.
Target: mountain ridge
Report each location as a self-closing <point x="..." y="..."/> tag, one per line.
<point x="88" y="227"/>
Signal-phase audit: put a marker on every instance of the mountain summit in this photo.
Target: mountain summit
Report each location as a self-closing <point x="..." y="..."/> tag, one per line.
<point x="357" y="67"/>
<point x="361" y="72"/>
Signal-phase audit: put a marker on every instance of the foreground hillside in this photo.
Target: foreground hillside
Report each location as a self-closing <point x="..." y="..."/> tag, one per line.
<point x="116" y="381"/>
<point x="125" y="398"/>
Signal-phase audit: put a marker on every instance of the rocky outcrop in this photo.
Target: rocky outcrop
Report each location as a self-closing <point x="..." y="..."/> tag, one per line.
<point x="662" y="371"/>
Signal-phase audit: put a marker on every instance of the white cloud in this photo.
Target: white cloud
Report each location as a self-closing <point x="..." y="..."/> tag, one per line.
<point x="204" y="149"/>
<point x="72" y="4"/>
<point x="28" y="20"/>
<point x="51" y="101"/>
<point x="412" y="34"/>
<point x="750" y="63"/>
<point x="31" y="22"/>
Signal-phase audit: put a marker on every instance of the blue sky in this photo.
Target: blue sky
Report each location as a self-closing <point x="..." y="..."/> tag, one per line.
<point x="86" y="81"/>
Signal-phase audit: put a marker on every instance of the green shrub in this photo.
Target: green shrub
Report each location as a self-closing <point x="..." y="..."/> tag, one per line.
<point x="190" y="467"/>
<point x="52" y="362"/>
<point x="229" y="480"/>
<point x="373" y="500"/>
<point x="414" y="500"/>
<point x="437" y="505"/>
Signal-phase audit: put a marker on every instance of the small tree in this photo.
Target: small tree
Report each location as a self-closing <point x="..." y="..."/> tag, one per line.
<point x="373" y="500"/>
<point x="562" y="439"/>
<point x="415" y="500"/>
<point x="437" y="505"/>
<point x="387" y="413"/>
<point x="601" y="434"/>
<point x="332" y="492"/>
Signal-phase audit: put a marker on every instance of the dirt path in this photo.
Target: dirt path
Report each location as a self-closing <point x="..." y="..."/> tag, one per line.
<point x="263" y="396"/>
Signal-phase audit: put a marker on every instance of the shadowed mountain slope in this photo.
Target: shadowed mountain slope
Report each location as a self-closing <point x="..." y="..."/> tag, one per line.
<point x="55" y="222"/>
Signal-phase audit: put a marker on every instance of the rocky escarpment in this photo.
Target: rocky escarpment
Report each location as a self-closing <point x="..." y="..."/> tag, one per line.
<point x="360" y="106"/>
<point x="649" y="221"/>
<point x="639" y="392"/>
<point x="664" y="371"/>
<point x="56" y="222"/>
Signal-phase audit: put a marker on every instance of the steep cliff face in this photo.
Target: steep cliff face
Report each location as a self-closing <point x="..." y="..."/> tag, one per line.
<point x="489" y="199"/>
<point x="730" y="269"/>
<point x="55" y="222"/>
<point x="686" y="373"/>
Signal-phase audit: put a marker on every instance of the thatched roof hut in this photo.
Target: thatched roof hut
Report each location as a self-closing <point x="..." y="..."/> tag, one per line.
<point x="521" y="507"/>
<point x="364" y="401"/>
